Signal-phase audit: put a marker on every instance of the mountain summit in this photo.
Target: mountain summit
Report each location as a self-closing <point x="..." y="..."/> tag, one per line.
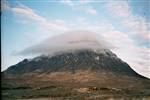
<point x="102" y="60"/>
<point x="78" y="50"/>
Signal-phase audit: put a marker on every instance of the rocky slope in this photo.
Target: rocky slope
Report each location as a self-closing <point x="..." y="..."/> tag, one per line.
<point x="99" y="60"/>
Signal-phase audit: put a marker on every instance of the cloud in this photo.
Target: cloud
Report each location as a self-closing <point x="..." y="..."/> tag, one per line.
<point x="72" y="40"/>
<point x="120" y="8"/>
<point x="119" y="42"/>
<point x="80" y="6"/>
<point x="137" y="25"/>
<point x="119" y="38"/>
<point x="67" y="2"/>
<point x="4" y="5"/>
<point x="29" y="13"/>
<point x="125" y="47"/>
<point x="85" y="1"/>
<point x="98" y="27"/>
<point x="72" y="2"/>
<point x="91" y="10"/>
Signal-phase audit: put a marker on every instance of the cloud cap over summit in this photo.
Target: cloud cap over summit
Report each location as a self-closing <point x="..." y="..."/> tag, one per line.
<point x="72" y="40"/>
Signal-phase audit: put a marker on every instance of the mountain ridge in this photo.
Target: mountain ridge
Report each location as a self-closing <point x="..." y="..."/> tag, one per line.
<point x="98" y="60"/>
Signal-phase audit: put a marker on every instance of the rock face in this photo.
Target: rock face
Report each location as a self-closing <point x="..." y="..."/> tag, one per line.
<point x="96" y="60"/>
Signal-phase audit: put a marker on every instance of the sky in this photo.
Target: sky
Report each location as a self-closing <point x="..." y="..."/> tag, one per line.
<point x="123" y="23"/>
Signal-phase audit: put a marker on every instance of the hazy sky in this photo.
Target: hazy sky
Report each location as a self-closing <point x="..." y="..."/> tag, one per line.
<point x="125" y="24"/>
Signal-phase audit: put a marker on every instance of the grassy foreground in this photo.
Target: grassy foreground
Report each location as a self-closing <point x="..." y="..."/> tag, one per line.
<point x="79" y="86"/>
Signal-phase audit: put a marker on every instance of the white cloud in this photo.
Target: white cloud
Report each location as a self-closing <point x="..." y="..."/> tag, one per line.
<point x="73" y="2"/>
<point x="84" y="1"/>
<point x="136" y="24"/>
<point x="4" y="5"/>
<point x="81" y="6"/>
<point x="69" y="41"/>
<point x="119" y="38"/>
<point x="120" y="8"/>
<point x="99" y="27"/>
<point x="67" y="2"/>
<point x="91" y="10"/>
<point x="43" y="22"/>
<point x="27" y="12"/>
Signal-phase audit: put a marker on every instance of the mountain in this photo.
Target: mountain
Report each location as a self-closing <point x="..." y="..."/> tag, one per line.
<point x="75" y="75"/>
<point x="73" y="67"/>
<point x="102" y="60"/>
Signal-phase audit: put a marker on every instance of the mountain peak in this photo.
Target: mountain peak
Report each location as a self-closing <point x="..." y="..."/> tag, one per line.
<point x="70" y="41"/>
<point x="102" y="60"/>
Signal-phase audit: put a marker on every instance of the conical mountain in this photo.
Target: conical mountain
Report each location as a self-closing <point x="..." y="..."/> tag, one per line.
<point x="100" y="61"/>
<point x="72" y="51"/>
<point x="73" y="66"/>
